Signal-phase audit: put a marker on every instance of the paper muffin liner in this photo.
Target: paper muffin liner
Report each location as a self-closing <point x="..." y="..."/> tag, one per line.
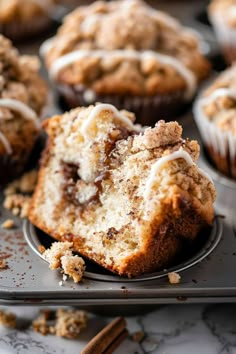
<point x="220" y="145"/>
<point x="18" y="31"/>
<point x="148" y="110"/>
<point x="226" y="37"/>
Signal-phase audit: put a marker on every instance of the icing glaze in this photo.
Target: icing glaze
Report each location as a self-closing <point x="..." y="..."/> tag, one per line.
<point x="180" y="154"/>
<point x="117" y="115"/>
<point x="23" y="109"/>
<point x="74" y="56"/>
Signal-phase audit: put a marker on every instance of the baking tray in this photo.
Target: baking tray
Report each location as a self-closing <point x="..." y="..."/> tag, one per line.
<point x="207" y="275"/>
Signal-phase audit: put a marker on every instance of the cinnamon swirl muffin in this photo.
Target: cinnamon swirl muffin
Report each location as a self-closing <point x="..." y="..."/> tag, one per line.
<point x="127" y="198"/>
<point x="24" y="19"/>
<point x="22" y="97"/>
<point x="215" y="114"/>
<point x="126" y="53"/>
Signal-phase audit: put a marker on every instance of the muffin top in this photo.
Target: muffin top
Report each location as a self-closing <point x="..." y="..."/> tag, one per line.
<point x="218" y="102"/>
<point x="22" y="93"/>
<point x="11" y="10"/>
<point x="129" y="48"/>
<point x="225" y="9"/>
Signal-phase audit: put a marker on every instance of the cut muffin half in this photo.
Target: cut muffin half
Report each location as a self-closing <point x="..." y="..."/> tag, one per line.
<point x="126" y="197"/>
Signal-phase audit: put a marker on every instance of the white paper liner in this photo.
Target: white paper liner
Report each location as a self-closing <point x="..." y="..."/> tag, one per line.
<point x="226" y="36"/>
<point x="222" y="142"/>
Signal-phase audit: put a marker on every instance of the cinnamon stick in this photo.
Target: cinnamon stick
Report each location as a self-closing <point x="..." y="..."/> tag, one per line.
<point x="113" y="332"/>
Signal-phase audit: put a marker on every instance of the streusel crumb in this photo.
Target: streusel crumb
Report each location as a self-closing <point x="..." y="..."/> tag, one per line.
<point x="7" y="319"/>
<point x="8" y="224"/>
<point x="57" y="250"/>
<point x="41" y="323"/>
<point x="3" y="264"/>
<point x="69" y="323"/>
<point x="73" y="266"/>
<point x="18" y="203"/>
<point x="174" y="278"/>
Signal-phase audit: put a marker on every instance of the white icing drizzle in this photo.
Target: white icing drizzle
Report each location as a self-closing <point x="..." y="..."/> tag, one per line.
<point x="23" y="109"/>
<point x="6" y="143"/>
<point x="106" y="107"/>
<point x="46" y="46"/>
<point x="180" y="154"/>
<point x="72" y="57"/>
<point x="20" y="107"/>
<point x="209" y="131"/>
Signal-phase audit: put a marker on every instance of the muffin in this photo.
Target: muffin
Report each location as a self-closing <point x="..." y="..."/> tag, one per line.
<point x="128" y="54"/>
<point x="222" y="14"/>
<point x="22" y="96"/>
<point x="24" y="19"/>
<point x="215" y="115"/>
<point x="97" y="155"/>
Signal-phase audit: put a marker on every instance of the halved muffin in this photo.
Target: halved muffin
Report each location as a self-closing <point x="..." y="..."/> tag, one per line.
<point x="127" y="54"/>
<point x="127" y="198"/>
<point x="23" y="95"/>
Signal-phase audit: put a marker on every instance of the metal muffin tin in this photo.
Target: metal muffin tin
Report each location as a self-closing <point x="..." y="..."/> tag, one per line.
<point x="207" y="275"/>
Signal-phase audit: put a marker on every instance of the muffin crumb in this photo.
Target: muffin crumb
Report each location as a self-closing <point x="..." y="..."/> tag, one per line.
<point x="73" y="266"/>
<point x="69" y="323"/>
<point x="57" y="250"/>
<point x="18" y="203"/>
<point x="41" y="324"/>
<point x="137" y="336"/>
<point x="41" y="249"/>
<point x="8" y="224"/>
<point x="7" y="319"/>
<point x="3" y="264"/>
<point x="174" y="278"/>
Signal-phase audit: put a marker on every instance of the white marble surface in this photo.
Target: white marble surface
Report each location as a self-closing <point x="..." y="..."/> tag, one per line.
<point x="173" y="329"/>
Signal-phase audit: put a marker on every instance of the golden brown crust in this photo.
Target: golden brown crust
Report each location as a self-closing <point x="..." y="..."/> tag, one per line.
<point x="225" y="10"/>
<point x="179" y="205"/>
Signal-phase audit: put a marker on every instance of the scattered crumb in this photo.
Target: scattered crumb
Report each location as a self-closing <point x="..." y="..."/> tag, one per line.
<point x="60" y="255"/>
<point x="55" y="252"/>
<point x="73" y="266"/>
<point x="3" y="264"/>
<point x="41" y="249"/>
<point x="8" y="224"/>
<point x="63" y="323"/>
<point x="18" y="203"/>
<point x="41" y="324"/>
<point x="60" y="283"/>
<point x="25" y="184"/>
<point x="174" y="278"/>
<point x="7" y="319"/>
<point x="137" y="336"/>
<point x="69" y="323"/>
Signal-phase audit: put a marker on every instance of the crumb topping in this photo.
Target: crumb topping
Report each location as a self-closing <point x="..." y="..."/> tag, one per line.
<point x="126" y="26"/>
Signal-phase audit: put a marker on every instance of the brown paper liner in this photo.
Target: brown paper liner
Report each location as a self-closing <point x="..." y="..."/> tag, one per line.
<point x="148" y="110"/>
<point x="223" y="163"/>
<point x="18" y="31"/>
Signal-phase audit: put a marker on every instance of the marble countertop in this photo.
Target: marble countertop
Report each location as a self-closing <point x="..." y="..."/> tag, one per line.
<point x="172" y="329"/>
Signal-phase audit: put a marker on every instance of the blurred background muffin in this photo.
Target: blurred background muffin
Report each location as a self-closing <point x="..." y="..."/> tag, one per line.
<point x="128" y="54"/>
<point x="20" y="20"/>
<point x="222" y="14"/>
<point x="23" y="94"/>
<point x="215" y="115"/>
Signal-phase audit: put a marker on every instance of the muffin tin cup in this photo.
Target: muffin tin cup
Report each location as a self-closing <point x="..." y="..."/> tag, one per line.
<point x="226" y="37"/>
<point x="10" y="168"/>
<point x="19" y="31"/>
<point x="221" y="145"/>
<point x="148" y="110"/>
<point x="209" y="240"/>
